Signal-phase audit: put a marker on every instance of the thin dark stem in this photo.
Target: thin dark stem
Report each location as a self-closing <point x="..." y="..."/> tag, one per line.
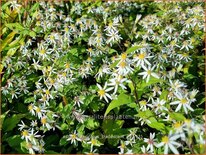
<point x="135" y="90"/>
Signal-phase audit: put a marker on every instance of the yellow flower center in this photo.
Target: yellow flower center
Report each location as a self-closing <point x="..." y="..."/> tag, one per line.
<point x="93" y="141"/>
<point x="52" y="37"/>
<point x="141" y="56"/>
<point x="172" y="43"/>
<point x="143" y="102"/>
<point x="43" y="120"/>
<point x="165" y="139"/>
<point x="149" y="72"/>
<point x="66" y="29"/>
<point x="25" y="133"/>
<point x="51" y="81"/>
<point x="177" y="125"/>
<point x="187" y="121"/>
<point x="124" y="56"/>
<point x="67" y="65"/>
<point x="47" y="92"/>
<point x="90" y="50"/>
<point x="185" y="55"/>
<point x="110" y="24"/>
<point x="117" y="82"/>
<point x="122" y="146"/>
<point x="164" y="56"/>
<point x="99" y="35"/>
<point x="101" y="92"/>
<point x="44" y="98"/>
<point x="38" y="110"/>
<point x="89" y="59"/>
<point x="73" y="136"/>
<point x="42" y="51"/>
<point x="30" y="107"/>
<point x="122" y="64"/>
<point x="64" y="74"/>
<point x="183" y="101"/>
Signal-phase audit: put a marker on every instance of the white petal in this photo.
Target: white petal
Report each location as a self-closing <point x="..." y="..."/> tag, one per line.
<point x="178" y="107"/>
<point x="155" y="75"/>
<point x="160" y="144"/>
<point x="99" y="86"/>
<point x="175" y="102"/>
<point x="174" y="150"/>
<point x="166" y="149"/>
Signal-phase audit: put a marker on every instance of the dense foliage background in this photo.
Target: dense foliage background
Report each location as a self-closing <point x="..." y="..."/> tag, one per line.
<point x="102" y="77"/>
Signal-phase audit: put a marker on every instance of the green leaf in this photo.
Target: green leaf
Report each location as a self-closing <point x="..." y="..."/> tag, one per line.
<point x="2" y="118"/>
<point x="14" y="141"/>
<point x="133" y="105"/>
<point x="15" y="26"/>
<point x="64" y="126"/>
<point x="51" y="140"/>
<point x="110" y="125"/>
<point x="32" y="34"/>
<point x="11" y="122"/>
<point x="63" y="140"/>
<point x="24" y="147"/>
<point x="164" y="95"/>
<point x="113" y="128"/>
<point x="177" y="116"/>
<point x="145" y="114"/>
<point x="12" y="51"/>
<point x="114" y="64"/>
<point x="112" y="51"/>
<point x="132" y="49"/>
<point x="156" y="125"/>
<point x="199" y="111"/>
<point x="29" y="100"/>
<point x="121" y="100"/>
<point x="34" y="7"/>
<point x="91" y="123"/>
<point x="7" y="40"/>
<point x="131" y="86"/>
<point x="152" y="80"/>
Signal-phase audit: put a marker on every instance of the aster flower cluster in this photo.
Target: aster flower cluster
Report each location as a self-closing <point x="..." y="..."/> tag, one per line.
<point x="81" y="57"/>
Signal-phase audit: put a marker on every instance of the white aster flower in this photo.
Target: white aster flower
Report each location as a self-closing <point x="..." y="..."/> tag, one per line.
<point x="183" y="101"/>
<point x="148" y="72"/>
<point x="73" y="138"/>
<point x="103" y="92"/>
<point x="151" y="142"/>
<point x="169" y="142"/>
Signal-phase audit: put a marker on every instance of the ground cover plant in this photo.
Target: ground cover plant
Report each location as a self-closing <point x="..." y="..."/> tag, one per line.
<point x="102" y="77"/>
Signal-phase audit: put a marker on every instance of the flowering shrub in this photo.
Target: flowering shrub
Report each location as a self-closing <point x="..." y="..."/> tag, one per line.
<point x="102" y="77"/>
